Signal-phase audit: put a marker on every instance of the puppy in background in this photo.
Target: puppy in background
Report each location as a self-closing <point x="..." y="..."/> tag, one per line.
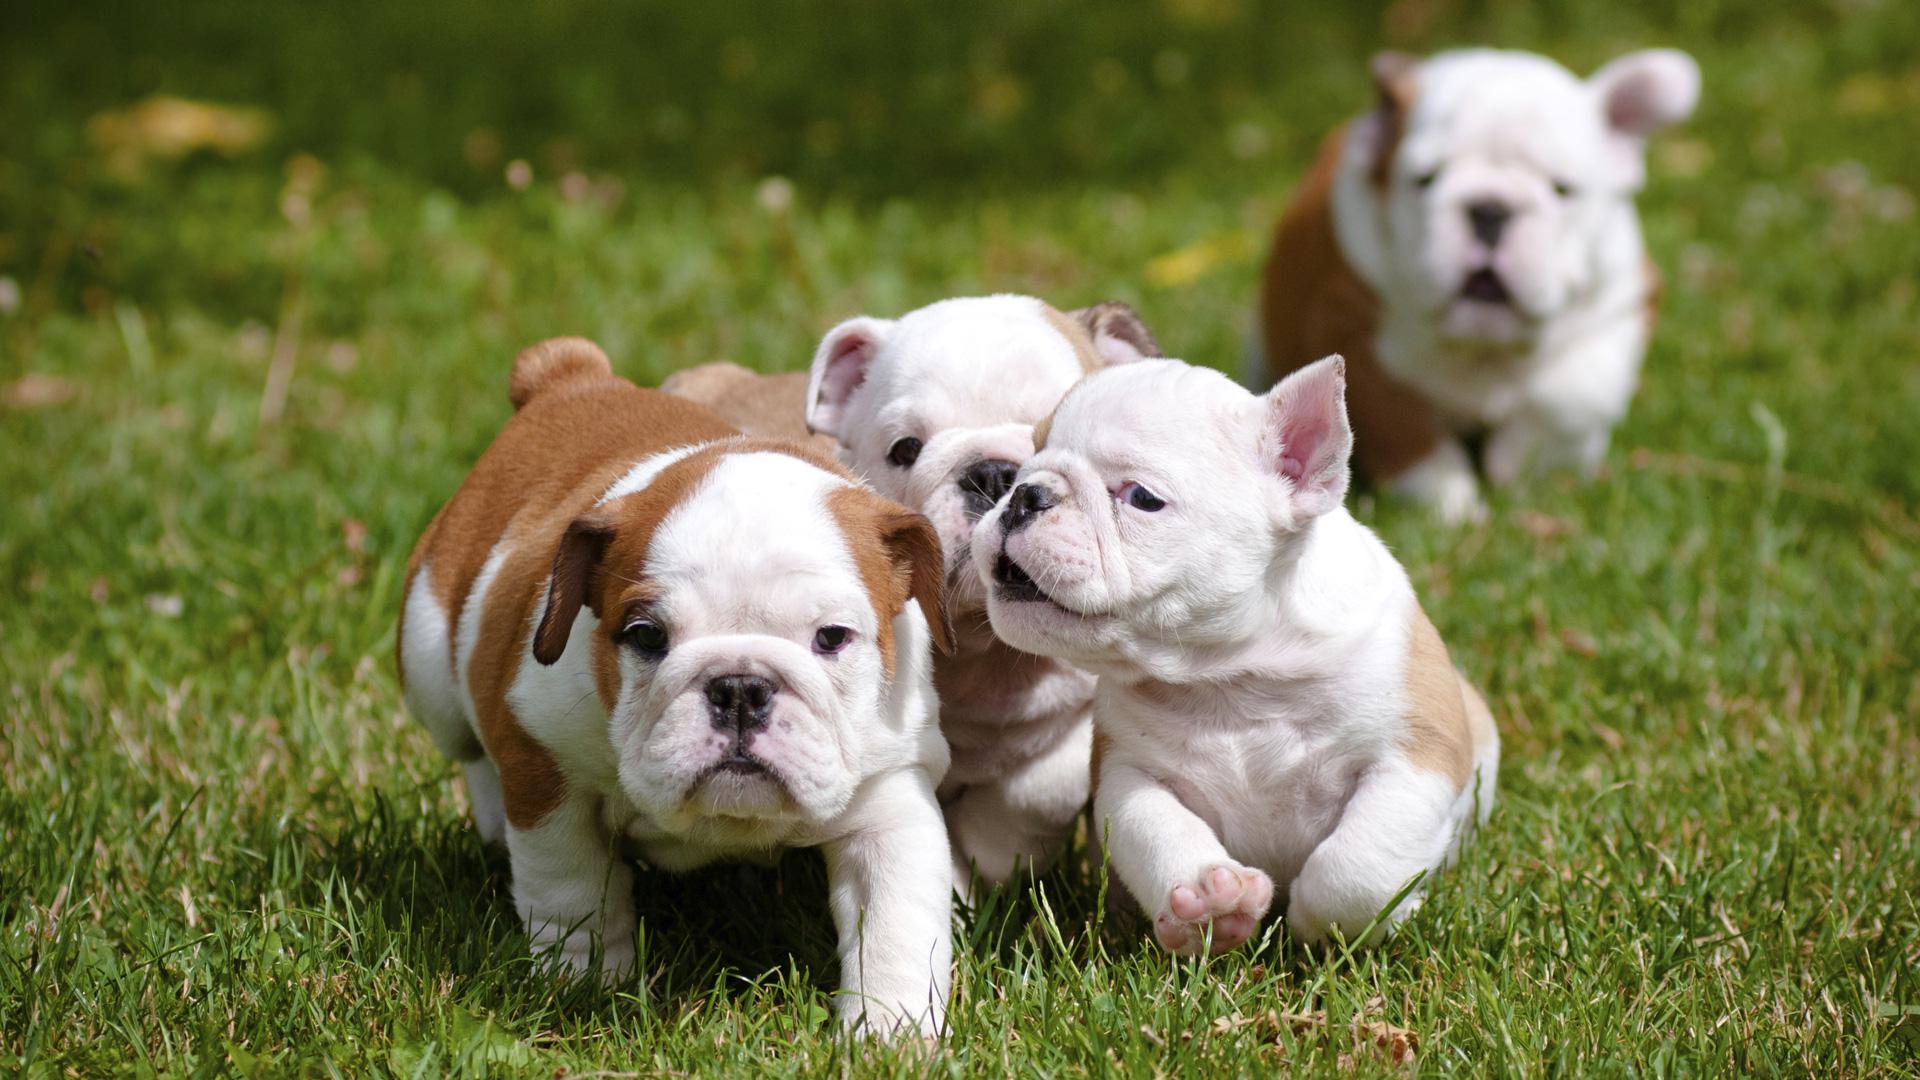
<point x="1471" y="245"/>
<point x="936" y="409"/>
<point x="1276" y="715"/>
<point x="588" y="629"/>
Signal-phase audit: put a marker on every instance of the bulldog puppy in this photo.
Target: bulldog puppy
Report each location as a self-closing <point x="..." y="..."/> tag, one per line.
<point x="1274" y="706"/>
<point x="632" y="624"/>
<point x="1471" y="245"/>
<point x="936" y="409"/>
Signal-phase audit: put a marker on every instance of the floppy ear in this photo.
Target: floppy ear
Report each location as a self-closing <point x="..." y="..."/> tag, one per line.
<point x="839" y="366"/>
<point x="1640" y="93"/>
<point x="1394" y="85"/>
<point x="1645" y="91"/>
<point x="575" y="567"/>
<point x="914" y="547"/>
<point x="1305" y="437"/>
<point x="1119" y="335"/>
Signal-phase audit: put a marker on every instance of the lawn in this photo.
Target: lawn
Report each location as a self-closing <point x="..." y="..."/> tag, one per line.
<point x="234" y="385"/>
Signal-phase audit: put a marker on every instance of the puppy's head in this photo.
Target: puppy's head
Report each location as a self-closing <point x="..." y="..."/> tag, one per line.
<point x="1163" y="498"/>
<point x="937" y="408"/>
<point x="1495" y="180"/>
<point x="749" y="615"/>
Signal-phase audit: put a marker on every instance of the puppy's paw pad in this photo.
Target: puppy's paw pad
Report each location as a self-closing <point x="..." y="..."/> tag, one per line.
<point x="1228" y="898"/>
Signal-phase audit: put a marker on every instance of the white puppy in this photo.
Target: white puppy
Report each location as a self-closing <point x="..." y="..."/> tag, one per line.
<point x="632" y="624"/>
<point x="1274" y="706"/>
<point x="1471" y="245"/>
<point x="936" y="409"/>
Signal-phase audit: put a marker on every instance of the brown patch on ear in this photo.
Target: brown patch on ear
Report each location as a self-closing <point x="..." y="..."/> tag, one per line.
<point x="1395" y="84"/>
<point x="554" y="363"/>
<point x="898" y="555"/>
<point x="1439" y="735"/>
<point x="573" y="585"/>
<point x="1117" y="319"/>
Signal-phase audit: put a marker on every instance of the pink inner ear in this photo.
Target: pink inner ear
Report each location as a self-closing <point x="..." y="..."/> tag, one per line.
<point x="846" y="368"/>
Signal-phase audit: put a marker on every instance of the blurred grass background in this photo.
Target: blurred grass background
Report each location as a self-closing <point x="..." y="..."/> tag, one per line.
<point x="263" y="267"/>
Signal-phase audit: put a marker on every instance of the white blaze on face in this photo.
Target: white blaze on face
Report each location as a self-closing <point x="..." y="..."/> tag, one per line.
<point x="1511" y="181"/>
<point x="744" y="574"/>
<point x="967" y="379"/>
<point x="1113" y="572"/>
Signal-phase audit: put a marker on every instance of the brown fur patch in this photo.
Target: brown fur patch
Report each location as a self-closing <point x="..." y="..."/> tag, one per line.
<point x="1395" y="82"/>
<point x="1042" y="430"/>
<point x="1440" y="736"/>
<point x="771" y="405"/>
<point x="1312" y="304"/>
<point x="569" y="441"/>
<point x="898" y="555"/>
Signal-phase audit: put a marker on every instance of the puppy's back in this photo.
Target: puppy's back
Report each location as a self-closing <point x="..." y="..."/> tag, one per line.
<point x="576" y="429"/>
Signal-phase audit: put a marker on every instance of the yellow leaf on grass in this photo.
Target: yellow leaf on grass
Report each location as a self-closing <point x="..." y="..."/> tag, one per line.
<point x="168" y="127"/>
<point x="1184" y="265"/>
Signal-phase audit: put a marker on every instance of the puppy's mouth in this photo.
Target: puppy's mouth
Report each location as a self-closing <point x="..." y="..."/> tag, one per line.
<point x="1015" y="585"/>
<point x="1485" y="286"/>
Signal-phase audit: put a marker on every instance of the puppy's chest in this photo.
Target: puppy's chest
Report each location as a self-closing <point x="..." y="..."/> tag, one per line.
<point x="1272" y="786"/>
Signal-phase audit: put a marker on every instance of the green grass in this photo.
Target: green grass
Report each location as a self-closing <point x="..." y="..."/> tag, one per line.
<point x="227" y="850"/>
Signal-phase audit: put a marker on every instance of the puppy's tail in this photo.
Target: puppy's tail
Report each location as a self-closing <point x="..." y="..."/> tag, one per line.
<point x="554" y="363"/>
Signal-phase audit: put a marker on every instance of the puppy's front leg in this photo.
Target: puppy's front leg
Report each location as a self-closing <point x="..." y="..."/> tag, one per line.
<point x="1172" y="863"/>
<point x="890" y="882"/>
<point x="1444" y="480"/>
<point x="1399" y="822"/>
<point x="570" y="890"/>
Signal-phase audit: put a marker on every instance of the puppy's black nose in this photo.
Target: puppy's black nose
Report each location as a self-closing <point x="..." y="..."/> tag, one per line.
<point x="739" y="703"/>
<point x="985" y="481"/>
<point x="1027" y="502"/>
<point x="1489" y="220"/>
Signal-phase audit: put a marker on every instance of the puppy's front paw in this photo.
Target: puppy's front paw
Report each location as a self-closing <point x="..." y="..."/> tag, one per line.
<point x="1228" y="897"/>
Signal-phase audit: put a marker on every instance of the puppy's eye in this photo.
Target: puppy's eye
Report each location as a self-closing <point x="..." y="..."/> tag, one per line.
<point x="1563" y="189"/>
<point x="831" y="639"/>
<point x="646" y="637"/>
<point x="905" y="452"/>
<point x="1425" y="180"/>
<point x="1139" y="497"/>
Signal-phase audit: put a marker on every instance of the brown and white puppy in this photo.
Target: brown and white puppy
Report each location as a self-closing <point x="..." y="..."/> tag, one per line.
<point x="631" y="623"/>
<point x="1471" y="246"/>
<point x="937" y="410"/>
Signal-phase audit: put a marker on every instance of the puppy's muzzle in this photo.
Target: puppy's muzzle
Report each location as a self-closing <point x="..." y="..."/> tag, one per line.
<point x="1027" y="502"/>
<point x="739" y="705"/>
<point x="985" y="482"/>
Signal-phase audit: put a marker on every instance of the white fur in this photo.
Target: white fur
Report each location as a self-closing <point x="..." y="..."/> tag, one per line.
<point x="1558" y="365"/>
<point x="1251" y="639"/>
<point x="970" y="378"/>
<point x="749" y="565"/>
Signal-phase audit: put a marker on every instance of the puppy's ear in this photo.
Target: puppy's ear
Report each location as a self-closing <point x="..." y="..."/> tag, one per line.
<point x="1119" y="335"/>
<point x="839" y="367"/>
<point x="914" y="547"/>
<point x="1645" y="91"/>
<point x="573" y="584"/>
<point x="1395" y="83"/>
<point x="1305" y="438"/>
